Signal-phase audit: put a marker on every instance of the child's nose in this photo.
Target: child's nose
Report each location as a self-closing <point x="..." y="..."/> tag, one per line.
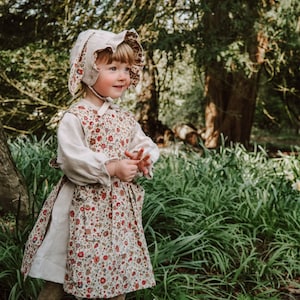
<point x="123" y="74"/>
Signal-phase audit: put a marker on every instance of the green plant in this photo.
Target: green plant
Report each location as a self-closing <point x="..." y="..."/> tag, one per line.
<point x="221" y="225"/>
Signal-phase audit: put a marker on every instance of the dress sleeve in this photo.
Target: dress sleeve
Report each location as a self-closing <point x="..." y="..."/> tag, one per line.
<point x="141" y="140"/>
<point x="78" y="162"/>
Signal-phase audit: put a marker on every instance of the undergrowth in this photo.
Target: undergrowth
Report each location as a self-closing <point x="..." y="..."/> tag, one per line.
<point x="223" y="224"/>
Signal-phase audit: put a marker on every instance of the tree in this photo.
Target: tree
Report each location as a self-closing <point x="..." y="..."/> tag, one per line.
<point x="234" y="43"/>
<point x="14" y="198"/>
<point x="237" y="42"/>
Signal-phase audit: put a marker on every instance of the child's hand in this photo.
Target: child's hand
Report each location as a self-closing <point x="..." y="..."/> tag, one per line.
<point x="125" y="169"/>
<point x="143" y="162"/>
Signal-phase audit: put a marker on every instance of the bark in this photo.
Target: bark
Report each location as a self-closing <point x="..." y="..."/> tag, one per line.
<point x="13" y="192"/>
<point x="214" y="106"/>
<point x="231" y="94"/>
<point x="231" y="100"/>
<point x="147" y="105"/>
<point x="237" y="123"/>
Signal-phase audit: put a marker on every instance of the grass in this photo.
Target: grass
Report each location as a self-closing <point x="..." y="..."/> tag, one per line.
<point x="221" y="225"/>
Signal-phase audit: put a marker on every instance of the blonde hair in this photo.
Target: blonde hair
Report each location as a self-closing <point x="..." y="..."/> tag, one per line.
<point x="124" y="54"/>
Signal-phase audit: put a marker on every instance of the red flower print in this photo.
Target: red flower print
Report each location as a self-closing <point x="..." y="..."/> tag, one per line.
<point x="103" y="195"/>
<point x="144" y="282"/>
<point x="99" y="138"/>
<point x="102" y="280"/>
<point x="96" y="259"/>
<point x="105" y="257"/>
<point x="92" y="141"/>
<point x="72" y="213"/>
<point x="80" y="254"/>
<point x="79" y="71"/>
<point x="110" y="138"/>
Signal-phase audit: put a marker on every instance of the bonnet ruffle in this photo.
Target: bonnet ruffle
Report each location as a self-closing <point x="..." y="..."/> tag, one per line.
<point x="84" y="53"/>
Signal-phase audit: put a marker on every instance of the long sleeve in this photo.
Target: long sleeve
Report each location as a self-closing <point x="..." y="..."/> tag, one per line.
<point x="141" y="140"/>
<point x="78" y="162"/>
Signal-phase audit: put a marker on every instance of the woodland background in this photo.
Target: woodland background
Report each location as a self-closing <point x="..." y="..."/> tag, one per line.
<point x="220" y="95"/>
<point x="219" y="66"/>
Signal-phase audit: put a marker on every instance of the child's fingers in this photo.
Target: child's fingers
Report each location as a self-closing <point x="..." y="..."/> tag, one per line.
<point x="146" y="159"/>
<point x="137" y="155"/>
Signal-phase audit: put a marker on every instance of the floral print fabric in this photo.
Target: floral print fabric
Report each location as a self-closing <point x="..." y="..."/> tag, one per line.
<point x="107" y="251"/>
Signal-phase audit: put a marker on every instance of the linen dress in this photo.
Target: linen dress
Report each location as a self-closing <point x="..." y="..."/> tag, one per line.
<point x="89" y="233"/>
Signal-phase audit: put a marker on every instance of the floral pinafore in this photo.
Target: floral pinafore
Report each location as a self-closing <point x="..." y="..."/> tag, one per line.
<point x="107" y="251"/>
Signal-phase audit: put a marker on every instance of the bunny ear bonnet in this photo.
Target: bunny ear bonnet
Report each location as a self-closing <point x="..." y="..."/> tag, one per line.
<point x="84" y="53"/>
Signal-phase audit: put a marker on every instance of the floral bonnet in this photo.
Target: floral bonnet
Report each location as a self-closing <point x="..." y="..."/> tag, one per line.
<point x="84" y="53"/>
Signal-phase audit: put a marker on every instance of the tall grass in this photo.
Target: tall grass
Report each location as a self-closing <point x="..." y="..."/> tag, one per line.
<point x="221" y="225"/>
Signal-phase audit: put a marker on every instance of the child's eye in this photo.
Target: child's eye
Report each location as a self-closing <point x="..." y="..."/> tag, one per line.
<point x="113" y="68"/>
<point x="127" y="69"/>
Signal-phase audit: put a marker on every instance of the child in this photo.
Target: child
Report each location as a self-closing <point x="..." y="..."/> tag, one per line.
<point x="89" y="235"/>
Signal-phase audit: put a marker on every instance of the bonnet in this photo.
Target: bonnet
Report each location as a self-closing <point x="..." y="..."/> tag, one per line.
<point x="84" y="53"/>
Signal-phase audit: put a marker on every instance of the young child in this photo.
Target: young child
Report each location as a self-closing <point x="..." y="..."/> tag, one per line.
<point x="89" y="235"/>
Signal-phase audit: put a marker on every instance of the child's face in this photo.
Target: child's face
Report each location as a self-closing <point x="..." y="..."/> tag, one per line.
<point x="113" y="79"/>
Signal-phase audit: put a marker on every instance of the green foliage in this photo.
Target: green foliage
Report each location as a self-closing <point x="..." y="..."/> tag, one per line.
<point x="34" y="85"/>
<point x="38" y="36"/>
<point x="32" y="157"/>
<point x="12" y="284"/>
<point x="221" y="225"/>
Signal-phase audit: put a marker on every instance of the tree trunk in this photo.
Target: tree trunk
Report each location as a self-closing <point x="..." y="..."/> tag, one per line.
<point x="231" y="100"/>
<point x="147" y="105"/>
<point x="13" y="192"/>
<point x="230" y="94"/>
